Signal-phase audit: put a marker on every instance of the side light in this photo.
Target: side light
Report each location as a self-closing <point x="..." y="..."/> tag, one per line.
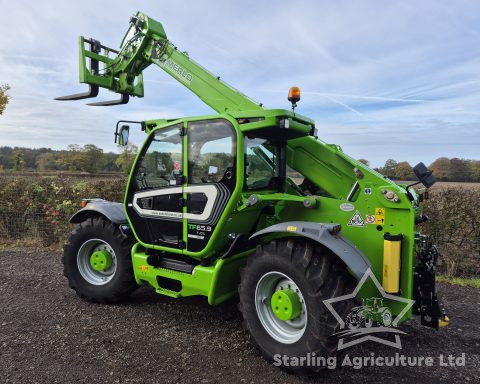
<point x="84" y="203"/>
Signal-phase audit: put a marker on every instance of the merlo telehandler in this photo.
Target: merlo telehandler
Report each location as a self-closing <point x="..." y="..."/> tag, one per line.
<point x="248" y="201"/>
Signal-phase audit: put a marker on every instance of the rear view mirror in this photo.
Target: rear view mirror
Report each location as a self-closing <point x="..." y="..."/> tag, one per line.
<point x="424" y="175"/>
<point x="123" y="135"/>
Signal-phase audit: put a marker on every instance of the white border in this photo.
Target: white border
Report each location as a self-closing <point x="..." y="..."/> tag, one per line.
<point x="209" y="190"/>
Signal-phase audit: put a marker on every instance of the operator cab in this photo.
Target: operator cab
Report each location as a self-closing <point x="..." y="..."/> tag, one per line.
<point x="181" y="183"/>
<point x="191" y="171"/>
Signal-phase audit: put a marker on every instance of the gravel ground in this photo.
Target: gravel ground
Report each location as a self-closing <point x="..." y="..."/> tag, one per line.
<point x="49" y="335"/>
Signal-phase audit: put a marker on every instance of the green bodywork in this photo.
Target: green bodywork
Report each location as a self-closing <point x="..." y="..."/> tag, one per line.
<point x="349" y="188"/>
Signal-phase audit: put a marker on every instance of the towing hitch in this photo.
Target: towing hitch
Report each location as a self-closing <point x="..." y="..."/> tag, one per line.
<point x="427" y="304"/>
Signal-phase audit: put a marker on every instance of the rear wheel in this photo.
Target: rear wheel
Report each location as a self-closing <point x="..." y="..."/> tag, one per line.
<point x="97" y="261"/>
<point x="282" y="290"/>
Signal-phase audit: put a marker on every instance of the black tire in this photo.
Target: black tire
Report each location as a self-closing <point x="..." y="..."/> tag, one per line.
<point x="122" y="282"/>
<point x="319" y="275"/>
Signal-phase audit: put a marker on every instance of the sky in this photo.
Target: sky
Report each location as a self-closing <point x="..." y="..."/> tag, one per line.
<point x="381" y="79"/>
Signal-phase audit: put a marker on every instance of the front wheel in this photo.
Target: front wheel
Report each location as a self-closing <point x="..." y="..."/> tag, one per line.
<point x="282" y="293"/>
<point x="97" y="261"/>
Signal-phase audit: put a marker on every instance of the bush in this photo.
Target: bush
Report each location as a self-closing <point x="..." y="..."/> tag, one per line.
<point x="454" y="227"/>
<point x="40" y="208"/>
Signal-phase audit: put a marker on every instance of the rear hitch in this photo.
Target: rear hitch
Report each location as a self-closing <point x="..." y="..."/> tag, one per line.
<point x="427" y="305"/>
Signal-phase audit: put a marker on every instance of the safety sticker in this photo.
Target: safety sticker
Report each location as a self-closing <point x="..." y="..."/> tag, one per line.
<point x="370" y="219"/>
<point x="380" y="216"/>
<point x="347" y="207"/>
<point x="356" y="220"/>
<point x="291" y="228"/>
<point x="143" y="268"/>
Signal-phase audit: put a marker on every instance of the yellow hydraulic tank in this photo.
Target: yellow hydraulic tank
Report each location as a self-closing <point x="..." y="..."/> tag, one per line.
<point x="392" y="247"/>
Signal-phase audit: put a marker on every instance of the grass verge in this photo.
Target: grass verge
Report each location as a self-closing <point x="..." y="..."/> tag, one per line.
<point x="462" y="281"/>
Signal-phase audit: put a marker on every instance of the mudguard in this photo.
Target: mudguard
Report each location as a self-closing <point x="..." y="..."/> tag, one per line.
<point x="325" y="234"/>
<point x="112" y="211"/>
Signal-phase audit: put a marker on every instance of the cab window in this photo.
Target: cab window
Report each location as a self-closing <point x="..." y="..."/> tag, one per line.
<point x="261" y="164"/>
<point x="211" y="151"/>
<point x="161" y="164"/>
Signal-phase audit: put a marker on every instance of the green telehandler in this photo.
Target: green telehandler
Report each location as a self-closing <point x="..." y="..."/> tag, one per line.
<point x="247" y="201"/>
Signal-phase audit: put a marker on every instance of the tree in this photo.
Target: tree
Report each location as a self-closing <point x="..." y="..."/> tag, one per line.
<point x="441" y="168"/>
<point x="109" y="160"/>
<point x="364" y="161"/>
<point x="125" y="160"/>
<point x="48" y="161"/>
<point x="88" y="158"/>
<point x="71" y="159"/>
<point x="92" y="158"/>
<point x="389" y="168"/>
<point x="474" y="168"/>
<point x="18" y="161"/>
<point x="459" y="170"/>
<point x="4" y="97"/>
<point x="404" y="171"/>
<point x="6" y="157"/>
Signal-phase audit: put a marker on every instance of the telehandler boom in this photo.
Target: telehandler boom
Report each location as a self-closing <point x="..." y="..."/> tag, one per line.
<point x="248" y="200"/>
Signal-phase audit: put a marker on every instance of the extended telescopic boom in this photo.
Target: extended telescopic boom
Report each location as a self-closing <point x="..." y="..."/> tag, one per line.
<point x="145" y="43"/>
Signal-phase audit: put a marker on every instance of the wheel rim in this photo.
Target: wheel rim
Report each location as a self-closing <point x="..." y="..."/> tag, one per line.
<point x="89" y="270"/>
<point x="285" y="331"/>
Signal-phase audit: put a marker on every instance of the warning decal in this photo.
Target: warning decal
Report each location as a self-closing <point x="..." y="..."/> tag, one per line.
<point x="356" y="220"/>
<point x="380" y="216"/>
<point x="370" y="219"/>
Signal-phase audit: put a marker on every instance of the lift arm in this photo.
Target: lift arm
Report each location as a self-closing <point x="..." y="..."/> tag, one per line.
<point x="145" y="43"/>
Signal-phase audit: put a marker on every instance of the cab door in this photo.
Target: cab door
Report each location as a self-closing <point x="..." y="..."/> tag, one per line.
<point x="155" y="193"/>
<point x="211" y="178"/>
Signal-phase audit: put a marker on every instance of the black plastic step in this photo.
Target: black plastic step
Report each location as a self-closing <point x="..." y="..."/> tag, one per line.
<point x="169" y="263"/>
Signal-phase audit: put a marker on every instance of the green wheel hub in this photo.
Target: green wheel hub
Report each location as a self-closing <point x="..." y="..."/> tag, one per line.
<point x="286" y="304"/>
<point x="101" y="260"/>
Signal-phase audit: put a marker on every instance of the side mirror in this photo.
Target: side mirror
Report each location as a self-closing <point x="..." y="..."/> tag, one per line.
<point x="123" y="135"/>
<point x="424" y="175"/>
